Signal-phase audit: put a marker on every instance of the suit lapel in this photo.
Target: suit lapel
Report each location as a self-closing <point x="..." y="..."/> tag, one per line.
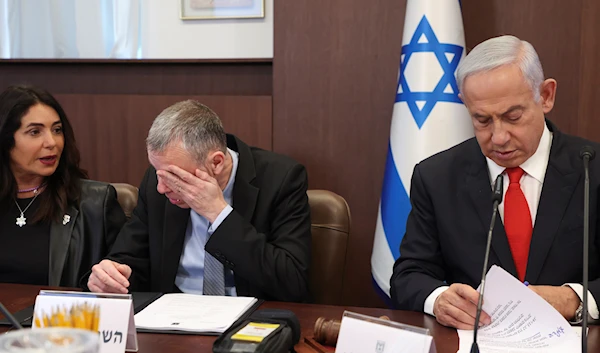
<point x="60" y="239"/>
<point x="477" y="184"/>
<point x="559" y="183"/>
<point x="244" y="199"/>
<point x="244" y="193"/>
<point x="175" y="225"/>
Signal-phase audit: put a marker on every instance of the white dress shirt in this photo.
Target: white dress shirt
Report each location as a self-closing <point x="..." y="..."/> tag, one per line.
<point x="531" y="185"/>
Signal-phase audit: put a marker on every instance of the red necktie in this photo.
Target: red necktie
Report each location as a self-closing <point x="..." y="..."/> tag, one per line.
<point x="517" y="221"/>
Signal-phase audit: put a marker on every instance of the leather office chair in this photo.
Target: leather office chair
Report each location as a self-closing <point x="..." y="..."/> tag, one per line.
<point x="330" y="220"/>
<point x="127" y="195"/>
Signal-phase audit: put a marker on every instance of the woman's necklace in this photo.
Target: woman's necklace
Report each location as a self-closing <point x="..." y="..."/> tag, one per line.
<point x="21" y="221"/>
<point x="34" y="189"/>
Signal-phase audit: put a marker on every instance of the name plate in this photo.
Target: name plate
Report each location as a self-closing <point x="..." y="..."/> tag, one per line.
<point x="111" y="315"/>
<point x="364" y="334"/>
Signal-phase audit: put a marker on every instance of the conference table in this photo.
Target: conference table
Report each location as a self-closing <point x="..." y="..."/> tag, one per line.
<point x="16" y="297"/>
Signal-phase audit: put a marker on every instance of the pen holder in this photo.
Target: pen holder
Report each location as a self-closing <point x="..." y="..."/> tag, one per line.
<point x="326" y="331"/>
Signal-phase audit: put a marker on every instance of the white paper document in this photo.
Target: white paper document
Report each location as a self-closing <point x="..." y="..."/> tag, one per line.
<point x="522" y="321"/>
<point x="207" y="314"/>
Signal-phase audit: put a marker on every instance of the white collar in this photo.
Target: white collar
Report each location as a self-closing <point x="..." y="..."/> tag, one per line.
<point x="535" y="166"/>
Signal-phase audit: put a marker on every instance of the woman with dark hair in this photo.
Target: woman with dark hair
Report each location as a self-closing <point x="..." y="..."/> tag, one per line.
<point x="54" y="224"/>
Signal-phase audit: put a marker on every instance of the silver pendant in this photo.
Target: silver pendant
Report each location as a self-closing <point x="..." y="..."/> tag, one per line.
<point x="21" y="221"/>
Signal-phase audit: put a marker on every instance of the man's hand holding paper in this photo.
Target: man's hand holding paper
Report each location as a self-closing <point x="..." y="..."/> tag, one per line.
<point x="457" y="306"/>
<point x="521" y="321"/>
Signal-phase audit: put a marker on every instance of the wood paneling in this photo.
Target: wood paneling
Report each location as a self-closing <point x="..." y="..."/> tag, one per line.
<point x="112" y="103"/>
<point x="334" y="77"/>
<point x="141" y="77"/>
<point x="111" y="129"/>
<point x="588" y="120"/>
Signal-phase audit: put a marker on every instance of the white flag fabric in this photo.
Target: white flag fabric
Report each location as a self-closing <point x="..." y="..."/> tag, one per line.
<point x="428" y="117"/>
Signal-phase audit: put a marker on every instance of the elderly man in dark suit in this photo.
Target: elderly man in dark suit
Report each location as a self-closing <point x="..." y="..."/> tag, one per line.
<point x="214" y="217"/>
<point x="540" y="237"/>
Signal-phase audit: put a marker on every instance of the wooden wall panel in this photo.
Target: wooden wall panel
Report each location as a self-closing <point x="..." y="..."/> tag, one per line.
<point x="588" y="120"/>
<point x="111" y="129"/>
<point x="334" y="76"/>
<point x="168" y="77"/>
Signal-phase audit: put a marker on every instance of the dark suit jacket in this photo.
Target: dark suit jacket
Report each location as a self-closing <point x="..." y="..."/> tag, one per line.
<point x="265" y="240"/>
<point x="446" y="231"/>
<point x="88" y="236"/>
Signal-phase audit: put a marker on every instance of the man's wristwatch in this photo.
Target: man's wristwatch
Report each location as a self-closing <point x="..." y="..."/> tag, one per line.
<point x="578" y="314"/>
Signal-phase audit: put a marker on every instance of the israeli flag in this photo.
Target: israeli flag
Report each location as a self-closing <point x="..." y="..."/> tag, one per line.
<point x="428" y="117"/>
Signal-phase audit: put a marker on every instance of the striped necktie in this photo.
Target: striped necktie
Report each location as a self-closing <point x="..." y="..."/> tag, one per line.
<point x="214" y="276"/>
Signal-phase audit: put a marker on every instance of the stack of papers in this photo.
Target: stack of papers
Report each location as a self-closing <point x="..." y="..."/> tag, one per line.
<point x="522" y="321"/>
<point x="202" y="314"/>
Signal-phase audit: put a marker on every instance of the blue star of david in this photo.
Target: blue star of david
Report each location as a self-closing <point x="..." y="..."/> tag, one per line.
<point x="449" y="67"/>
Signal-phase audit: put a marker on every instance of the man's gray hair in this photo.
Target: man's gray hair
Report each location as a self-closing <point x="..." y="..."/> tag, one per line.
<point x="500" y="51"/>
<point x="195" y="125"/>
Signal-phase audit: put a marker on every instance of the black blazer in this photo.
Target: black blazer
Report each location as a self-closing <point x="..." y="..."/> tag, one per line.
<point x="265" y="240"/>
<point x="88" y="236"/>
<point x="446" y="231"/>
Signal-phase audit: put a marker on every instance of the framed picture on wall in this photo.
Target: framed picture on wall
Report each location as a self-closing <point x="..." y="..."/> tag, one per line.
<point x="221" y="9"/>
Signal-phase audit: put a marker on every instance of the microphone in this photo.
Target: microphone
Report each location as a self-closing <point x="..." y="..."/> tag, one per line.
<point x="497" y="199"/>
<point x="10" y="317"/>
<point x="587" y="151"/>
<point x="587" y="154"/>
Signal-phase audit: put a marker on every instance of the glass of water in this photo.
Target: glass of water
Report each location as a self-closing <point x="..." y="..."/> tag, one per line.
<point x="50" y="340"/>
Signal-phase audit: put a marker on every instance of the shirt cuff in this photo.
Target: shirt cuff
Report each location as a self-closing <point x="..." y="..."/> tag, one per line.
<point x="592" y="306"/>
<point x="220" y="218"/>
<point x="430" y="301"/>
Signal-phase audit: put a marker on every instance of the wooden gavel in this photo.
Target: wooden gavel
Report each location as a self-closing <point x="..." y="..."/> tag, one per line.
<point x="326" y="331"/>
